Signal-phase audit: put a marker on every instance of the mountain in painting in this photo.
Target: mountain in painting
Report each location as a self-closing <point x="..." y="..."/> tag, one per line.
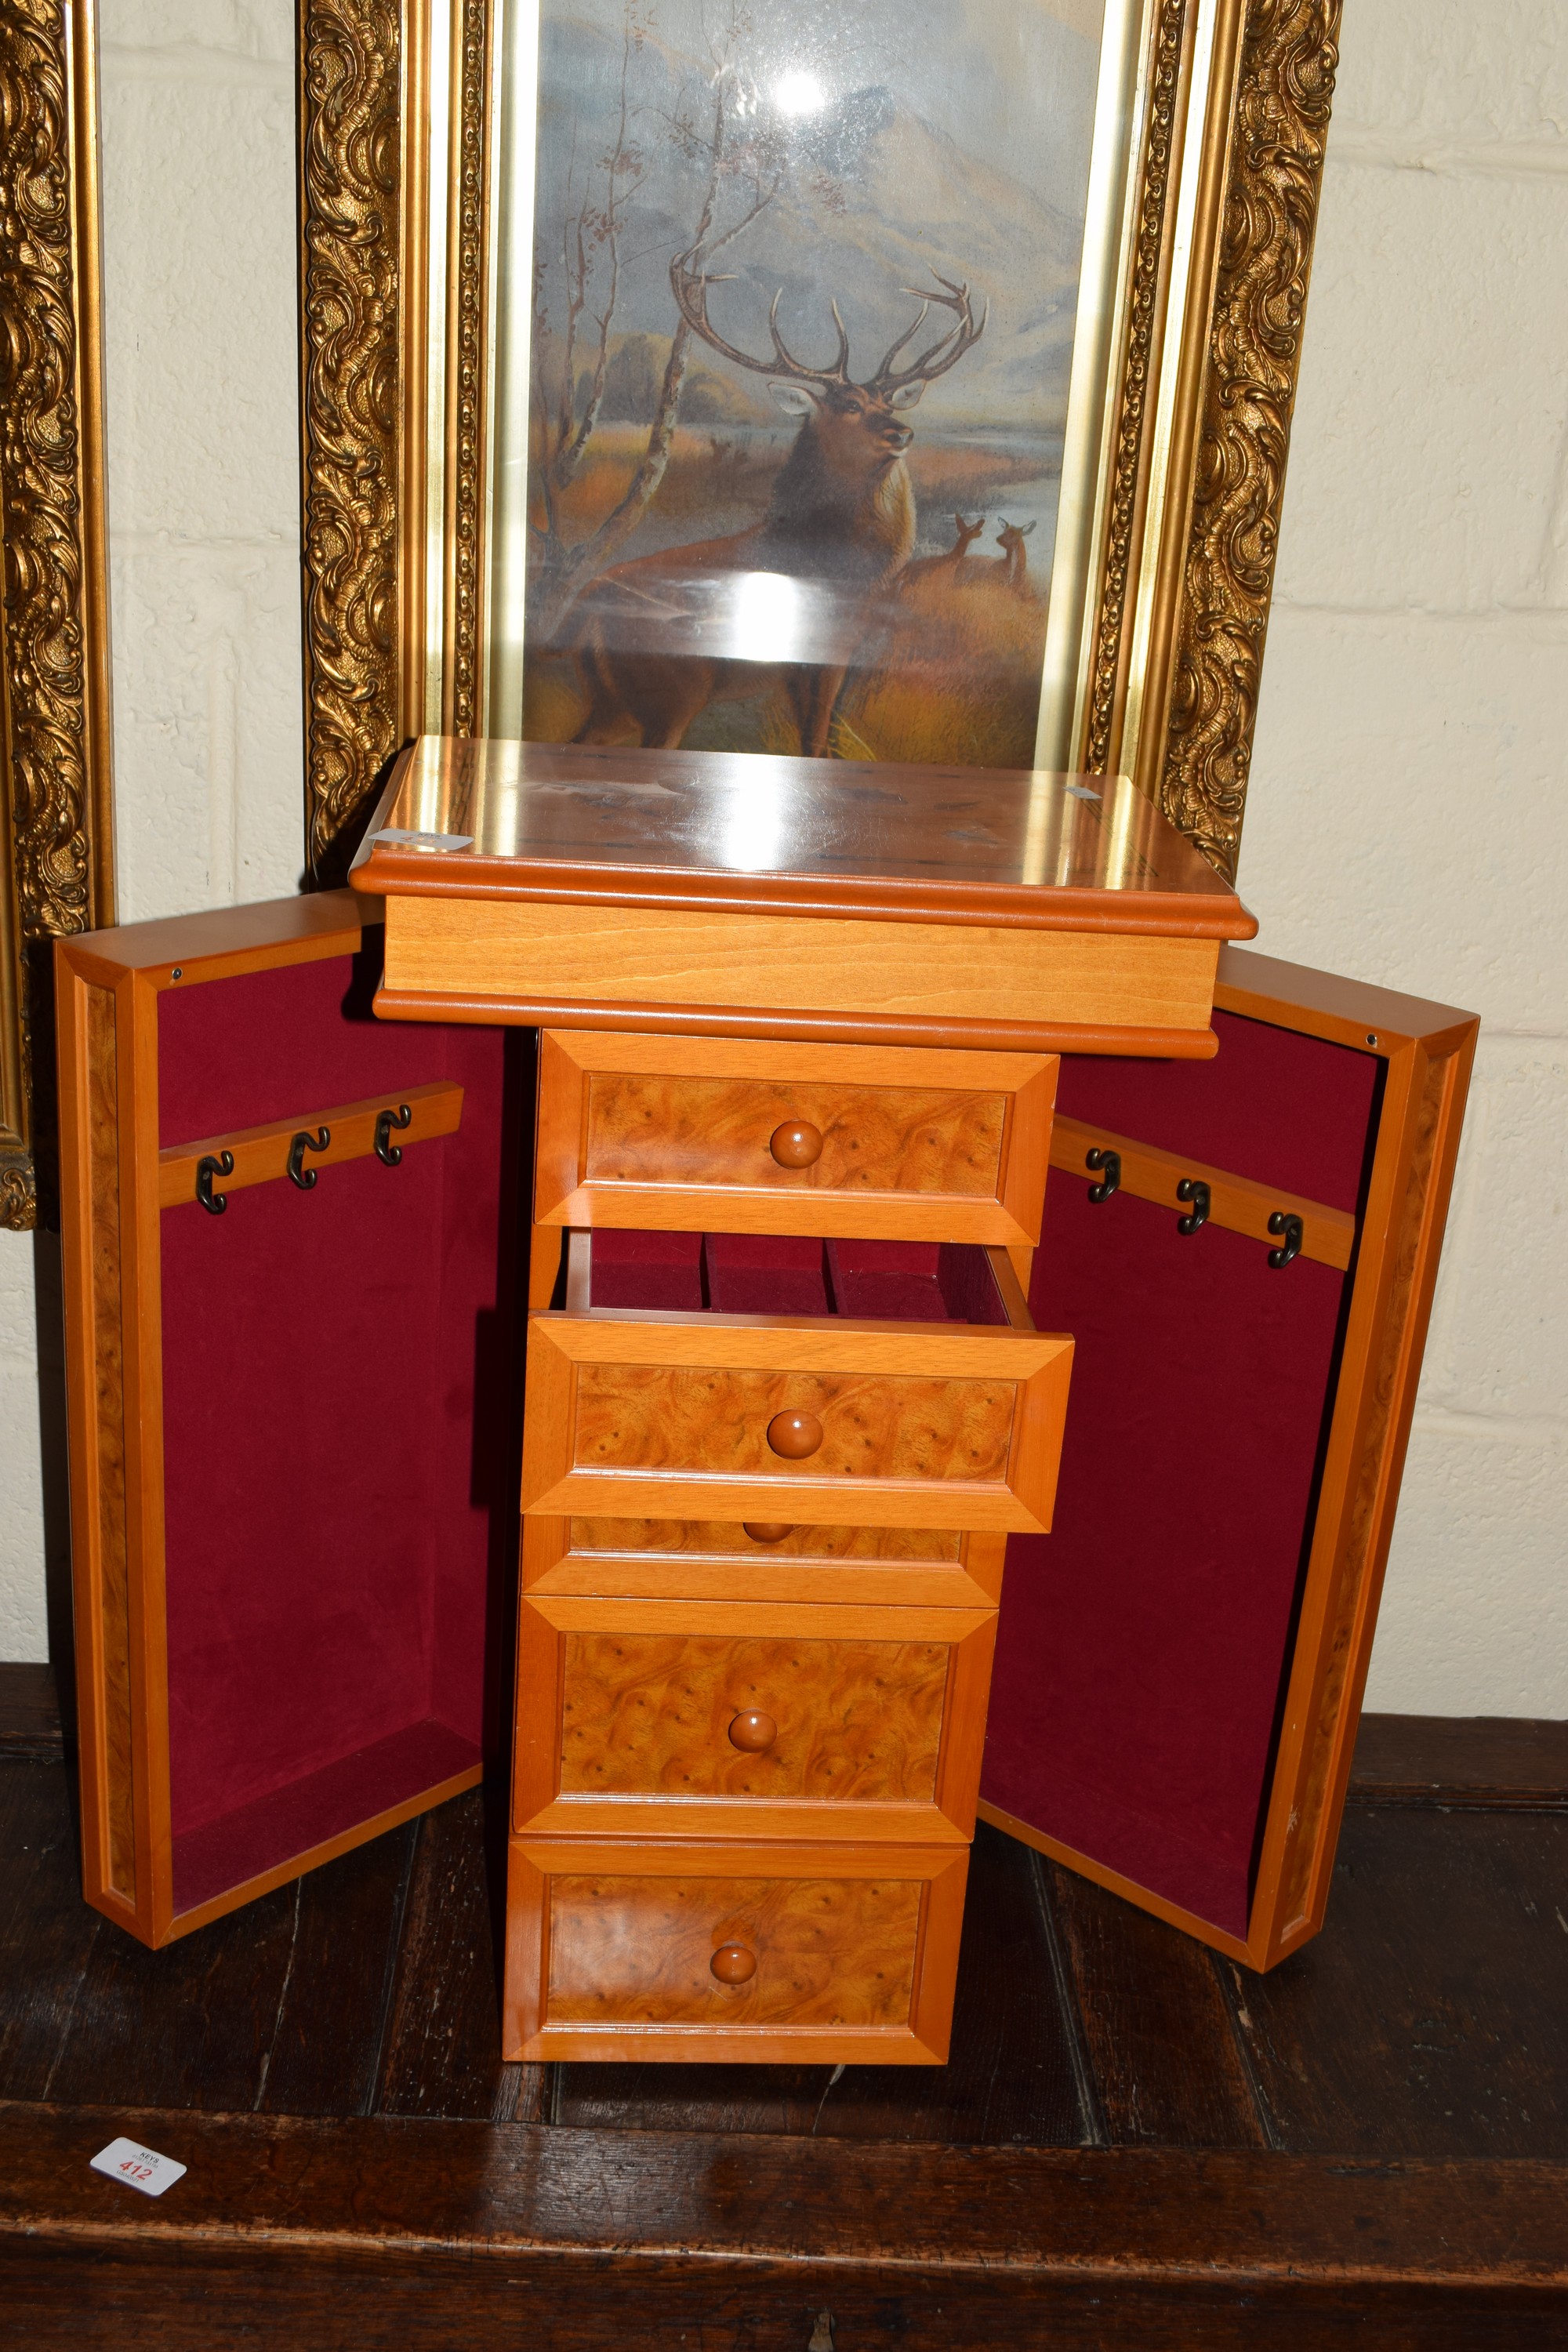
<point x="871" y="198"/>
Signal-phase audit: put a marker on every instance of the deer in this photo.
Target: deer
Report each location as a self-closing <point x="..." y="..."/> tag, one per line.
<point x="657" y="638"/>
<point x="1013" y="563"/>
<point x="950" y="567"/>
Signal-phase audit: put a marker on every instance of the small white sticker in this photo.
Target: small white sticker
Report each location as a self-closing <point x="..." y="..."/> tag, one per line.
<point x="1080" y="791"/>
<point x="428" y="840"/>
<point x="140" y="2167"/>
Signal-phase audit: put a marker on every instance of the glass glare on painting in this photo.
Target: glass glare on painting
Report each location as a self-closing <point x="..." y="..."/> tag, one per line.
<point x="804" y="287"/>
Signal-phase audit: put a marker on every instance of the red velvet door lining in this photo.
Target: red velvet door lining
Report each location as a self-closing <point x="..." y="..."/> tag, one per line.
<point x="339" y="1446"/>
<point x="1144" y="1643"/>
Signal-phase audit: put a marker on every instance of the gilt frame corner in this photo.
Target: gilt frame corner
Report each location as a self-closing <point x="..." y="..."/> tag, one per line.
<point x="369" y="259"/>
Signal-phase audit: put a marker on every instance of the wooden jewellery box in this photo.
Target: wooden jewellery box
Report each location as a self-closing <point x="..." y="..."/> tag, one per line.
<point x="811" y="1190"/>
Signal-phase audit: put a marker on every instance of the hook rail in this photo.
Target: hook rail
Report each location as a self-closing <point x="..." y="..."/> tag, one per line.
<point x="1293" y="1226"/>
<point x="265" y="1155"/>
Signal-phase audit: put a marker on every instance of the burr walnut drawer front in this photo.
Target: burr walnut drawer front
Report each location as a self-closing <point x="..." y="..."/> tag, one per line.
<point x="681" y="1718"/>
<point x="735" y="1135"/>
<point x="717" y="1559"/>
<point x="793" y="1420"/>
<point x="731" y="1952"/>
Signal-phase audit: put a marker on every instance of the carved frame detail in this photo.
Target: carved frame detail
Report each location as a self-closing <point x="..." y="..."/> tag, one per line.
<point x="1285" y="84"/>
<point x="58" y="874"/>
<point x="351" y="362"/>
<point x="1127" y="478"/>
<point x="466" y="459"/>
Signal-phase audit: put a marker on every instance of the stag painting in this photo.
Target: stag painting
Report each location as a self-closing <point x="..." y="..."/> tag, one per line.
<point x="664" y="635"/>
<point x="739" y="536"/>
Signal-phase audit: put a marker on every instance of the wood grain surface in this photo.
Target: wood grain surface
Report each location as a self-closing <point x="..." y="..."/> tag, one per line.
<point x="106" y="1469"/>
<point x="1498" y="1761"/>
<point x="666" y="1414"/>
<point x="643" y="1714"/>
<point x="1435" y="2010"/>
<point x="1427" y="2024"/>
<point x="728" y="1540"/>
<point x="30" y="1728"/>
<point x="440" y="2049"/>
<point x="733" y="1184"/>
<point x="621" y="956"/>
<point x="693" y="1130"/>
<point x="384" y="2233"/>
<point x="1013" y="2075"/>
<point x="1159" y="2051"/>
<point x="709" y="1559"/>
<point x="646" y="827"/>
<point x="490" y="1008"/>
<point x="806" y="1343"/>
<point x="1417" y="2042"/>
<point x="669" y="1417"/>
<point x="830" y="1952"/>
<point x="225" y="941"/>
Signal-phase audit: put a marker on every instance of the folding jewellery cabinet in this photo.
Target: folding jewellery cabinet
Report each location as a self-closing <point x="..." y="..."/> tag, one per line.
<point x="781" y="1053"/>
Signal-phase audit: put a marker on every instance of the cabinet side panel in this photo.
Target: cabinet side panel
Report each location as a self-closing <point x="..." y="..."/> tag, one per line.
<point x="1340" y="1637"/>
<point x="114" y="1631"/>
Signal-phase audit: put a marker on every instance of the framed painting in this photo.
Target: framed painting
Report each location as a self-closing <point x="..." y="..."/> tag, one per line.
<point x="743" y="374"/>
<point x="755" y="246"/>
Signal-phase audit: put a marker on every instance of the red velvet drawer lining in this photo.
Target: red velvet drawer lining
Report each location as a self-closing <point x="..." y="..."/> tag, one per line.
<point x="783" y="1274"/>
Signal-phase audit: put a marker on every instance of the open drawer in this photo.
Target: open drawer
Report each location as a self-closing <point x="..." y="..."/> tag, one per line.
<point x="917" y="1393"/>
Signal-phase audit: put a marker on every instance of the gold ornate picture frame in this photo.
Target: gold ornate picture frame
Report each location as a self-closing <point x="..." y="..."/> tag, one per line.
<point x="401" y="102"/>
<point x="58" y="842"/>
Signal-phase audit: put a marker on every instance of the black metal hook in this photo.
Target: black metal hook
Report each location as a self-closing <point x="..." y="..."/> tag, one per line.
<point x="207" y="1167"/>
<point x="305" y="1141"/>
<point x="1285" y="1221"/>
<point x="390" y="1154"/>
<point x="1193" y="1189"/>
<point x="1109" y="1165"/>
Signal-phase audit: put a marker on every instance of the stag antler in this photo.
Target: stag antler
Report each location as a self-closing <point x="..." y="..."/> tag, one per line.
<point x="690" y="289"/>
<point x="690" y="286"/>
<point x="948" y="349"/>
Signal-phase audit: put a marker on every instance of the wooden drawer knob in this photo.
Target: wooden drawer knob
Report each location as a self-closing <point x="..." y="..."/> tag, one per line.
<point x="753" y="1731"/>
<point x="766" y="1530"/>
<point x="795" y="1144"/>
<point x="794" y="1435"/>
<point x="734" y="1964"/>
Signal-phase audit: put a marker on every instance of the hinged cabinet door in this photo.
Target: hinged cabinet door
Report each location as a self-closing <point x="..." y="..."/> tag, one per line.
<point x="1245" y="1251"/>
<point x="289" y="1235"/>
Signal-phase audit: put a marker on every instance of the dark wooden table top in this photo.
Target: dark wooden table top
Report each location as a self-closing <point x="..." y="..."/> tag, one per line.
<point x="1135" y="2143"/>
<point x="718" y="829"/>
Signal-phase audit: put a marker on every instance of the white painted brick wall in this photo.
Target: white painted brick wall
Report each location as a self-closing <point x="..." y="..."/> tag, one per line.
<point x="200" y="285"/>
<point x="201" y="360"/>
<point x="1405" y="820"/>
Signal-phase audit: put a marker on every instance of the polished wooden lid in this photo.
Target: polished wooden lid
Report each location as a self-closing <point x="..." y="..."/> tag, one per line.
<point x="715" y="829"/>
